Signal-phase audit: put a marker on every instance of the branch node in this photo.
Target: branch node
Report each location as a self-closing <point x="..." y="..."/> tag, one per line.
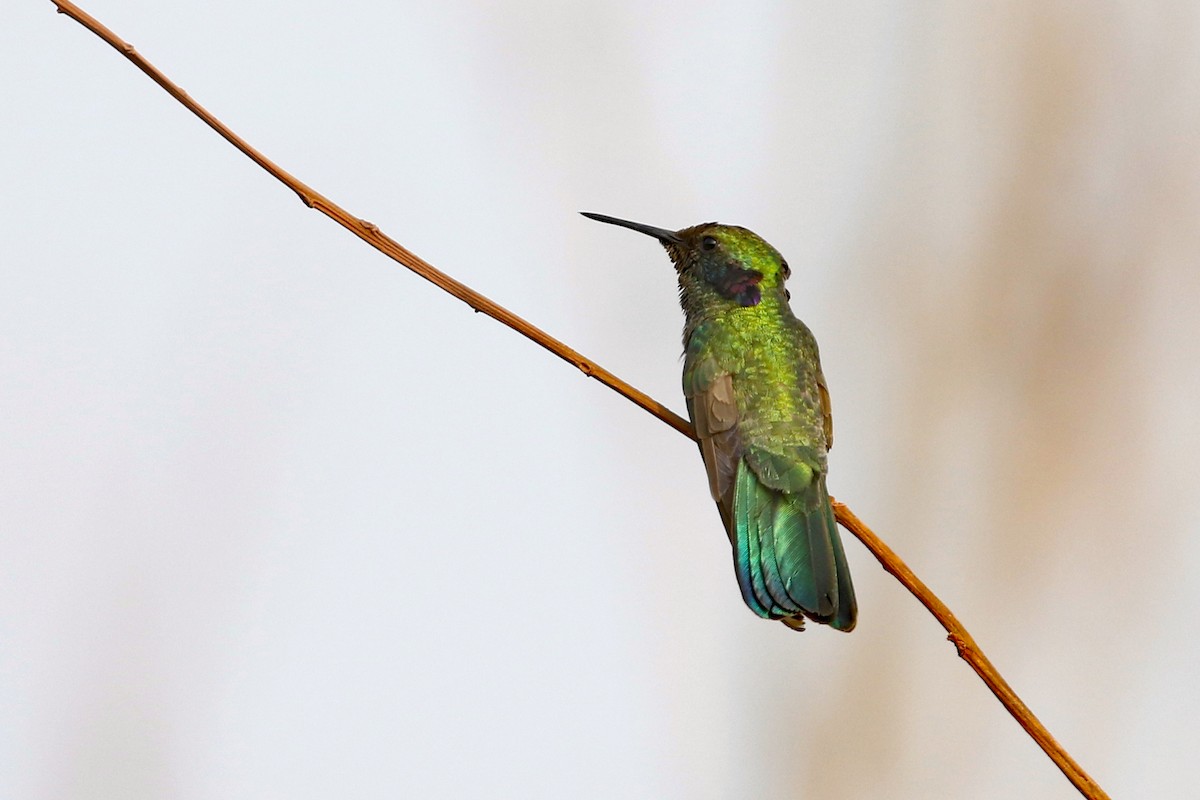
<point x="959" y="643"/>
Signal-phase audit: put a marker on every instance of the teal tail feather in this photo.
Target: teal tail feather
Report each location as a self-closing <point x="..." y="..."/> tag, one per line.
<point x="788" y="554"/>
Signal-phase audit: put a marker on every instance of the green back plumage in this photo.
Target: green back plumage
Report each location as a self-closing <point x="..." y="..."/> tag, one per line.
<point x="757" y="398"/>
<point x="766" y="457"/>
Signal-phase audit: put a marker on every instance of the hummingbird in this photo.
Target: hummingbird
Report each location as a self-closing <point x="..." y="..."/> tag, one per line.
<point x="760" y="407"/>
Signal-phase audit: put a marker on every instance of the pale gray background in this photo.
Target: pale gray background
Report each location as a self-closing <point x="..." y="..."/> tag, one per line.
<point x="280" y="520"/>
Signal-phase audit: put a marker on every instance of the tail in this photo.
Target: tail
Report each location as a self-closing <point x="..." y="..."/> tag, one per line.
<point x="788" y="554"/>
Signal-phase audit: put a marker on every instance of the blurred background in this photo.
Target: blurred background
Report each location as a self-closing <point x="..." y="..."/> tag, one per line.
<point x="278" y="519"/>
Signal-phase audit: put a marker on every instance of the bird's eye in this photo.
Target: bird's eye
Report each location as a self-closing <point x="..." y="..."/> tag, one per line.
<point x="787" y="271"/>
<point x="708" y="243"/>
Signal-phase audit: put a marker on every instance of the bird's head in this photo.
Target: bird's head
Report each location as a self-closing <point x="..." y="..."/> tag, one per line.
<point x="717" y="264"/>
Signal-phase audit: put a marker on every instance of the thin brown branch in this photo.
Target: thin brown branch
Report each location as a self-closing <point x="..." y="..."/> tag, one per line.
<point x="968" y="650"/>
<point x="371" y="234"/>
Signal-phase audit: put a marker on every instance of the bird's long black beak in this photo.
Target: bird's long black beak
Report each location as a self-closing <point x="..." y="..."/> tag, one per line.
<point x="662" y="234"/>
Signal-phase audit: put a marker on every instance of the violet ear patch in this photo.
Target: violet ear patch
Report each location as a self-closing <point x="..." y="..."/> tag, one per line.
<point x="735" y="282"/>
